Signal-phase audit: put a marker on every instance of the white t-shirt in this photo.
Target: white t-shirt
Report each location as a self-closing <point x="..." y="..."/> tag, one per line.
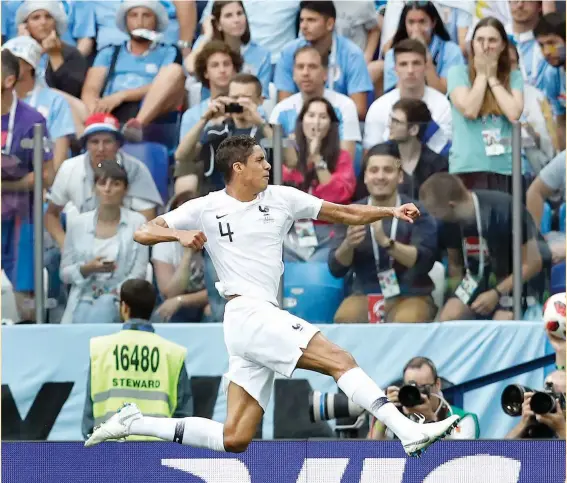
<point x="287" y="111"/>
<point x="377" y="124"/>
<point x="245" y="239"/>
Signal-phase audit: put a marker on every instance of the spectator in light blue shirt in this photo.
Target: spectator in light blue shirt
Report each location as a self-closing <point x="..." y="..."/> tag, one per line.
<point x="525" y="16"/>
<point x="310" y="75"/>
<point x="106" y="31"/>
<point x="457" y="20"/>
<point x="48" y="102"/>
<point x="347" y="72"/>
<point x="81" y="29"/>
<point x="272" y="23"/>
<point x="182" y="23"/>
<point x="215" y="65"/>
<point x="229" y="23"/>
<point x="550" y="34"/>
<point x="140" y="80"/>
<point x="421" y="21"/>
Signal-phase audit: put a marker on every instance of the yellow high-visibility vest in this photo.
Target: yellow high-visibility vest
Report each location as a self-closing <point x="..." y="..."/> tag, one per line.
<point x="134" y="366"/>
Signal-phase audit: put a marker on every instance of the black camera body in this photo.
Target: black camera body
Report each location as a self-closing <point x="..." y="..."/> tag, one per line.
<point x="233" y="108"/>
<point x="542" y="402"/>
<point x="410" y="394"/>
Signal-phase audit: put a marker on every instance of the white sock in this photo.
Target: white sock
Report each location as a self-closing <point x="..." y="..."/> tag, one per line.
<point x="197" y="432"/>
<point x="363" y="391"/>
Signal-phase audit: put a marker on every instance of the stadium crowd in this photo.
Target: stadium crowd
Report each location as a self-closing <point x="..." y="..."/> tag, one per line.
<point x="379" y="102"/>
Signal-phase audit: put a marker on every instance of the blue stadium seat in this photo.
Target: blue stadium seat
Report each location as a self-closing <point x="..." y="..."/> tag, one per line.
<point x="562" y="215"/>
<point x="358" y="156"/>
<point x="311" y="292"/>
<point x="558" y="278"/>
<point x="155" y="157"/>
<point x="546" y="217"/>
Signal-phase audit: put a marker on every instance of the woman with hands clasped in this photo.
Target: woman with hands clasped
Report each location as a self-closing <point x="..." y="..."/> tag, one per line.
<point x="487" y="98"/>
<point x="318" y="165"/>
<point x="421" y="21"/>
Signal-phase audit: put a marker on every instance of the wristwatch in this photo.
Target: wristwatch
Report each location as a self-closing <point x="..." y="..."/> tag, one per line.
<point x="322" y="164"/>
<point x="389" y="245"/>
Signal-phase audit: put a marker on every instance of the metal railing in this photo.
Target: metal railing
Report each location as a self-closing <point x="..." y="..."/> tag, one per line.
<point x="277" y="144"/>
<point x="457" y="392"/>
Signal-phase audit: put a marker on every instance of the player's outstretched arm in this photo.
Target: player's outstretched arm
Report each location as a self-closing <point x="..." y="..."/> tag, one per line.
<point x="157" y="231"/>
<point x="365" y="214"/>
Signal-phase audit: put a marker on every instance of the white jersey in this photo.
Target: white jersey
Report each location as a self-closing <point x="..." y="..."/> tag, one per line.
<point x="245" y="239"/>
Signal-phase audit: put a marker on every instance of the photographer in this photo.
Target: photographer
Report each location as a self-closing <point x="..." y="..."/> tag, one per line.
<point x="555" y="421"/>
<point x="232" y="115"/>
<point x="554" y="382"/>
<point x="421" y="373"/>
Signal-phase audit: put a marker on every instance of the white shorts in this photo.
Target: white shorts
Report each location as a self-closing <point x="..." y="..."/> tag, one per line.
<point x="261" y="340"/>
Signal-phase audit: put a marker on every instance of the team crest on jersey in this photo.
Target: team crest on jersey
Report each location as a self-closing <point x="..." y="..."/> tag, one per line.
<point x="265" y="210"/>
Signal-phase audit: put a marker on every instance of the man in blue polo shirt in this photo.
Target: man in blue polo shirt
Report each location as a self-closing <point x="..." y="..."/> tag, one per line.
<point x="347" y="72"/>
<point x="139" y="80"/>
<point x="18" y="120"/>
<point x="48" y="102"/>
<point x="550" y="35"/>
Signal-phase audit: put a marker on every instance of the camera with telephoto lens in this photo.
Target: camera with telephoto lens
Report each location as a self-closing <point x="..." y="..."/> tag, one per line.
<point x="324" y="406"/>
<point x="351" y="419"/>
<point x="410" y="394"/>
<point x="541" y="402"/>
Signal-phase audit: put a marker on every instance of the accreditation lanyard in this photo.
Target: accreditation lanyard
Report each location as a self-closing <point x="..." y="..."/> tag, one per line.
<point x="393" y="230"/>
<point x="11" y="121"/>
<point x="480" y="240"/>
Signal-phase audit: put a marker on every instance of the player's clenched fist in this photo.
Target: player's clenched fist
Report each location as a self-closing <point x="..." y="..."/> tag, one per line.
<point x="407" y="212"/>
<point x="192" y="239"/>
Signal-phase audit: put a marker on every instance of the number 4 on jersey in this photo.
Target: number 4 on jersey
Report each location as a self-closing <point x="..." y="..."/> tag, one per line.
<point x="227" y="233"/>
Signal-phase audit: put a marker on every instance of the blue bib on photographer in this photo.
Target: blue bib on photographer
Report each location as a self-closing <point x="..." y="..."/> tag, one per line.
<point x="138" y="367"/>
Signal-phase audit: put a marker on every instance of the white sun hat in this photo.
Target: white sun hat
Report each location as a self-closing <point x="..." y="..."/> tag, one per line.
<point x="25" y="48"/>
<point x="55" y="9"/>
<point x="156" y="7"/>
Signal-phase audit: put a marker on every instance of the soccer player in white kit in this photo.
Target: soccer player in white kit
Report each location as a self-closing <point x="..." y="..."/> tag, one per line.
<point x="242" y="228"/>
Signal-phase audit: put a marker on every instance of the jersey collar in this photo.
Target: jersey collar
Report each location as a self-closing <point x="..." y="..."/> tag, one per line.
<point x="138" y="324"/>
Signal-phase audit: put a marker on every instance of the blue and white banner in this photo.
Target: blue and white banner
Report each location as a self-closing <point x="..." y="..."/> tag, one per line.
<point x="286" y="462"/>
<point x="44" y="370"/>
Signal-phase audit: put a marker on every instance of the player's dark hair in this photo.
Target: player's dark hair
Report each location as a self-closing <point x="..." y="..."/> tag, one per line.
<point x="211" y="48"/>
<point x="431" y="11"/>
<point x="417" y="113"/>
<point x="310" y="48"/>
<point x="10" y="64"/>
<point x="244" y="78"/>
<point x="410" y="46"/>
<point x="443" y="188"/>
<point x="325" y="8"/>
<point x="140" y="297"/>
<point x="234" y="149"/>
<point x="419" y="362"/>
<point x="110" y="170"/>
<point x="551" y="24"/>
<point x="216" y="13"/>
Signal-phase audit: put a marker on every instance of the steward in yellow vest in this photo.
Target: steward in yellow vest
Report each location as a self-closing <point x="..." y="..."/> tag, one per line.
<point x="136" y="365"/>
